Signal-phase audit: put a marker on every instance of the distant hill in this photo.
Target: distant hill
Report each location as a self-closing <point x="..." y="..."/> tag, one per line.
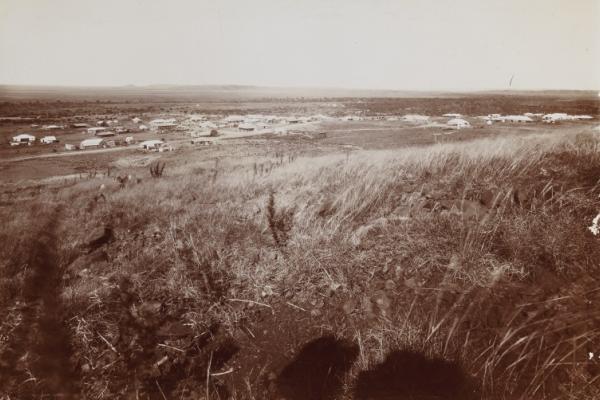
<point x="233" y="92"/>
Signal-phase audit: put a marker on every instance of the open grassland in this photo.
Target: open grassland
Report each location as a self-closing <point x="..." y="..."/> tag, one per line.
<point x="455" y="271"/>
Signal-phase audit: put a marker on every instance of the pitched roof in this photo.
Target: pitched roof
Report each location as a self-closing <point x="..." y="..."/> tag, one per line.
<point x="458" y="121"/>
<point x="24" y="136"/>
<point x="92" y="142"/>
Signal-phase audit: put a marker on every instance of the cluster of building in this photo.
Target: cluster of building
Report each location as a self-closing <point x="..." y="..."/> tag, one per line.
<point x="532" y="117"/>
<point x="555" y="117"/>
<point x="148" y="145"/>
<point x="457" y="120"/>
<point x="156" y="145"/>
<point x="201" y="126"/>
<point x="29" y="139"/>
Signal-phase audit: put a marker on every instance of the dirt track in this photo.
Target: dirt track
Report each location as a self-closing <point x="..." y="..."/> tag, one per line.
<point x="66" y="154"/>
<point x="116" y="149"/>
<point x="41" y="345"/>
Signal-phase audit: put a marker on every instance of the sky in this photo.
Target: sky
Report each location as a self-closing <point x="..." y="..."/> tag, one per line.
<point x="378" y="44"/>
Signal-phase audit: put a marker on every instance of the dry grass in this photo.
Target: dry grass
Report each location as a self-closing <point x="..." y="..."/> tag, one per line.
<point x="397" y="245"/>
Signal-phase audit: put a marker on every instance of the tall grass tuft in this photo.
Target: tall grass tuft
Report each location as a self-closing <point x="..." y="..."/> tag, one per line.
<point x="280" y="222"/>
<point x="157" y="169"/>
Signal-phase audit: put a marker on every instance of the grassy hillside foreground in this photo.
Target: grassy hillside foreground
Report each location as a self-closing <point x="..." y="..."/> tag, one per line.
<point x="461" y="271"/>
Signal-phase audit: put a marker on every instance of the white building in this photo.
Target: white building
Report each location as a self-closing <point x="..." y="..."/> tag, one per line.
<point x="92" y="143"/>
<point x="233" y="119"/>
<point x="96" y="129"/>
<point x="162" y="123"/>
<point x="136" y="120"/>
<point x="458" y="123"/>
<point x="143" y="128"/>
<point x="554" y="117"/>
<point x="551" y="118"/>
<point x="23" y="138"/>
<point x="151" y="144"/>
<point x="48" y="140"/>
<point x="452" y="115"/>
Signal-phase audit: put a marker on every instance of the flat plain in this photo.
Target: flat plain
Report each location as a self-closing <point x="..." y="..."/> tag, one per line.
<point x="341" y="251"/>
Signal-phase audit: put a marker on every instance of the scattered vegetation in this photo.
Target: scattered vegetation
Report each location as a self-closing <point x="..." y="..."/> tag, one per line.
<point x="469" y="263"/>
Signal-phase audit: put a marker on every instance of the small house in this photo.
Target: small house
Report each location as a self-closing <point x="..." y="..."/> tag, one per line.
<point x="458" y="123"/>
<point x="48" y="140"/>
<point x="96" y="129"/>
<point x="151" y="144"/>
<point x="162" y="123"/>
<point x="92" y="143"/>
<point x="23" y="138"/>
<point x="554" y="117"/>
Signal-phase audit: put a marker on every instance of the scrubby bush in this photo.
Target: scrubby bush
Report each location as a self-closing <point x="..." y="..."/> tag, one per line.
<point x="156" y="169"/>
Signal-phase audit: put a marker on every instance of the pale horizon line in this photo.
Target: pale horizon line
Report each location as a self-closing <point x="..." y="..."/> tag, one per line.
<point x="306" y="87"/>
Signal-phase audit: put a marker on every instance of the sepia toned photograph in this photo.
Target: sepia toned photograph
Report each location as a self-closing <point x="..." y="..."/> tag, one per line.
<point x="300" y="200"/>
